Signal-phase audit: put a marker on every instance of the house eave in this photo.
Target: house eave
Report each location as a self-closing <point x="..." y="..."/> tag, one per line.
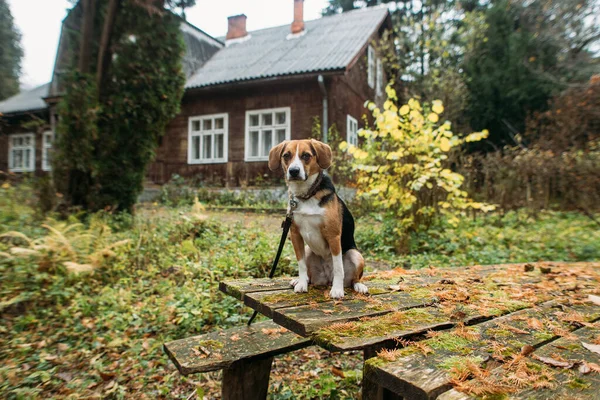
<point x="244" y="83"/>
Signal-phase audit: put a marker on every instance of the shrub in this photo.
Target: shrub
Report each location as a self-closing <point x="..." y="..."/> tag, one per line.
<point x="402" y="166"/>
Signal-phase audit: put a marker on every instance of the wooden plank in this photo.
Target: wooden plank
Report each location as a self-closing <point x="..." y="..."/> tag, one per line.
<point x="219" y="350"/>
<point x="306" y="319"/>
<point x="568" y="383"/>
<point x="237" y="288"/>
<point x="417" y="375"/>
<point x="559" y="383"/>
<point x="381" y="281"/>
<point x="266" y="302"/>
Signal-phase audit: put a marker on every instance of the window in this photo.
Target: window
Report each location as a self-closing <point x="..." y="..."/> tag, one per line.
<point x="47" y="142"/>
<point x="265" y="129"/>
<point x="371" y="66"/>
<point x="379" y="86"/>
<point x="21" y="152"/>
<point x="351" y="131"/>
<point x="207" y="139"/>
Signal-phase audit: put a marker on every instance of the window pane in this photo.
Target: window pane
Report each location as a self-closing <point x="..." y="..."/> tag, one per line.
<point x="27" y="158"/>
<point x="254" y="120"/>
<point x="280" y="135"/>
<point x="196" y="147"/>
<point x="196" y="126"/>
<point x="206" y="147"/>
<point x="219" y="146"/>
<point x="280" y="118"/>
<point x="206" y="124"/>
<point x="267" y="119"/>
<point x="267" y="142"/>
<point x="218" y="123"/>
<point x="48" y="139"/>
<point x="254" y="143"/>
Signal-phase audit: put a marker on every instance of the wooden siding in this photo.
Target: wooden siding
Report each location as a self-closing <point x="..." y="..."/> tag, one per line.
<point x="304" y="98"/>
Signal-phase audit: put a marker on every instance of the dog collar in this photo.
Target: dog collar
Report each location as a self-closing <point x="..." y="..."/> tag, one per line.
<point x="311" y="192"/>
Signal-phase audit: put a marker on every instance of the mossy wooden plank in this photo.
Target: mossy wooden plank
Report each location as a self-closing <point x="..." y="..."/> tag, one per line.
<point x="218" y="350"/>
<point x="568" y="383"/>
<point x="426" y="369"/>
<point x="266" y="302"/>
<point x="239" y="287"/>
<point x="306" y="319"/>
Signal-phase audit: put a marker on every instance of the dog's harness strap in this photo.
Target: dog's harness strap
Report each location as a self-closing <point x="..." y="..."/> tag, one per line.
<point x="286" y="224"/>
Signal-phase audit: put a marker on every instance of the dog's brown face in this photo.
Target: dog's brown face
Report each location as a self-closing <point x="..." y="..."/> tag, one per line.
<point x="300" y="158"/>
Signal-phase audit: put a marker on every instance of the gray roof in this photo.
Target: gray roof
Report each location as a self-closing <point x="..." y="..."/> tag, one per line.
<point x="31" y="100"/>
<point x="329" y="44"/>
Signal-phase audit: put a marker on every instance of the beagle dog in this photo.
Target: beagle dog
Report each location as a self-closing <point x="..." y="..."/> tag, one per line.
<point x="322" y="230"/>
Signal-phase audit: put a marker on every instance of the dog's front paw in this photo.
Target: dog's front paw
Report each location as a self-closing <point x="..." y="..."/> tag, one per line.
<point x="361" y="288"/>
<point x="337" y="292"/>
<point x="300" y="285"/>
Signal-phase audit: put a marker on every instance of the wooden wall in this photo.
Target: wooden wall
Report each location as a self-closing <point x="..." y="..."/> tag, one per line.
<point x="304" y="98"/>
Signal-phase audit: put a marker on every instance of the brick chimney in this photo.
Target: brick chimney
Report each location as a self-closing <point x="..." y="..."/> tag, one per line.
<point x="236" y="27"/>
<point x="298" y="24"/>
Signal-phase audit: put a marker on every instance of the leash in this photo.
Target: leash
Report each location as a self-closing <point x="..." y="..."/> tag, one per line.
<point x="286" y="227"/>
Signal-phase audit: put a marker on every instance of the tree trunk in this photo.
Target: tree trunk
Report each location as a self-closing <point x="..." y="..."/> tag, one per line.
<point x="104" y="53"/>
<point x="87" y="33"/>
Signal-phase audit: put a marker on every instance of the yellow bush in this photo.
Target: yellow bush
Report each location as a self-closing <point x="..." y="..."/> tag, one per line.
<point x="402" y="168"/>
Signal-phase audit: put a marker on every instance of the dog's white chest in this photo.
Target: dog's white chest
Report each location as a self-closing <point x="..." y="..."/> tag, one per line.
<point x="309" y="218"/>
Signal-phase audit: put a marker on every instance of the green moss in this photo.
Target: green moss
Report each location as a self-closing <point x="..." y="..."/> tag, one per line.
<point x="290" y="297"/>
<point x="451" y="342"/>
<point x="421" y="293"/>
<point x="460" y="364"/>
<point x="578" y="383"/>
<point x="376" y="326"/>
<point x="212" y="345"/>
<point x="543" y="335"/>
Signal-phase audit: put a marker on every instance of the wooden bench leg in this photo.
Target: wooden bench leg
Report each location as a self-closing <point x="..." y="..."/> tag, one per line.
<point x="372" y="390"/>
<point x="247" y="380"/>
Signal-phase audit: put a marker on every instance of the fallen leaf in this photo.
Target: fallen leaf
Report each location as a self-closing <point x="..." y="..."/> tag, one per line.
<point x="234" y="338"/>
<point x="65" y="376"/>
<point x="337" y="372"/>
<point x="595" y="348"/>
<point x="527" y="349"/>
<point x="594" y="299"/>
<point x="584" y="368"/>
<point x="535" y="323"/>
<point x="106" y="376"/>
<point x="555" y="363"/>
<point x="528" y="267"/>
<point x="63" y="347"/>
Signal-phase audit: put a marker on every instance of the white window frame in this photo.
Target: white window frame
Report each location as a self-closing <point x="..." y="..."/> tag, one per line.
<point x="379" y="84"/>
<point x="371" y="66"/>
<point x="210" y="132"/>
<point x="260" y="128"/>
<point x="31" y="146"/>
<point x="351" y="130"/>
<point x="47" y="148"/>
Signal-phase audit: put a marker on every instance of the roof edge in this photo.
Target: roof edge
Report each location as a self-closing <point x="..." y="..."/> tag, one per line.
<point x="278" y="78"/>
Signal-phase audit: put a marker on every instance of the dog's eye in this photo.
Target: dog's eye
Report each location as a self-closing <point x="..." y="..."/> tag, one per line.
<point x="306" y="156"/>
<point x="287" y="156"/>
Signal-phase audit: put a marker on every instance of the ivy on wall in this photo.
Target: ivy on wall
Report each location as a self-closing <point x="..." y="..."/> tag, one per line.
<point x="107" y="136"/>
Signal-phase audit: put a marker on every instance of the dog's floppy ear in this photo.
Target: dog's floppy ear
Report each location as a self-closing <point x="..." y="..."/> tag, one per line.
<point x="323" y="153"/>
<point x="275" y="156"/>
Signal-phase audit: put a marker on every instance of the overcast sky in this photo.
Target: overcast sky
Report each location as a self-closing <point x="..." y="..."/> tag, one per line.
<point x="39" y="22"/>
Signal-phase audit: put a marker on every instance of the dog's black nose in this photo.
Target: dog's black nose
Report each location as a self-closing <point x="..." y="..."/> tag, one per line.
<point x="294" y="172"/>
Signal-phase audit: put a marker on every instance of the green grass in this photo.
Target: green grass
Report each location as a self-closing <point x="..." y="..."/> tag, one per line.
<point x="73" y="336"/>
